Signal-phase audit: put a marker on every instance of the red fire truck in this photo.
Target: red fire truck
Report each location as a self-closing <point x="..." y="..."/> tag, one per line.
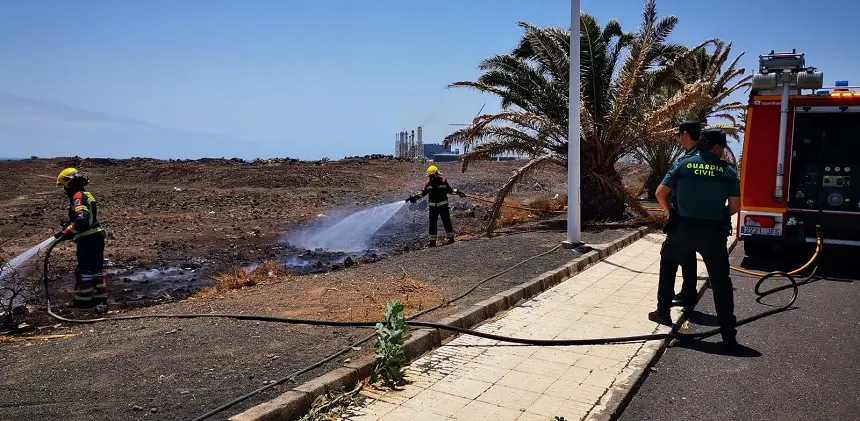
<point x="800" y="150"/>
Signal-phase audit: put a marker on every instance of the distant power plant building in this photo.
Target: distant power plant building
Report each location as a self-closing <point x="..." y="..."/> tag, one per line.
<point x="431" y="149"/>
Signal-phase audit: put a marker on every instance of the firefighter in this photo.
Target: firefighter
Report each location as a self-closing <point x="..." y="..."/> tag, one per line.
<point x="437" y="189"/>
<point x="87" y="233"/>
<point x="688" y="132"/>
<point x="703" y="183"/>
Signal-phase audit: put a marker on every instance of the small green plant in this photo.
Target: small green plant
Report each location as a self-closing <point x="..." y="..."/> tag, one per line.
<point x="390" y="355"/>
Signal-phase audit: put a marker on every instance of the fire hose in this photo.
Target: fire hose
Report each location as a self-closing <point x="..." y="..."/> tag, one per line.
<point x="505" y="205"/>
<point x="674" y="334"/>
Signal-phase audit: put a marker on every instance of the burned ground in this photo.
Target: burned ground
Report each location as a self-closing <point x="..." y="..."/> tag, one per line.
<point x="193" y="218"/>
<point x="175" y="225"/>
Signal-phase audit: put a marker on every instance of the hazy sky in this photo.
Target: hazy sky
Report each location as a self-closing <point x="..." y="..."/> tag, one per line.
<point x="318" y="78"/>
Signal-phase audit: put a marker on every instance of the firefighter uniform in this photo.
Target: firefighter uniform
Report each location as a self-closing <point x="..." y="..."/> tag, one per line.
<point x="87" y="233"/>
<point x="437" y="190"/>
<point x="702" y="183"/>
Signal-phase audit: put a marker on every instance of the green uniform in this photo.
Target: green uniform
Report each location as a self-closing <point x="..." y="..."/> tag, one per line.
<point x="689" y="268"/>
<point x="702" y="184"/>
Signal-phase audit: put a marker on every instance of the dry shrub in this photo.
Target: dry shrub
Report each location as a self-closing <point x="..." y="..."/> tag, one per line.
<point x="242" y="277"/>
<point x="547" y="205"/>
<point x="512" y="216"/>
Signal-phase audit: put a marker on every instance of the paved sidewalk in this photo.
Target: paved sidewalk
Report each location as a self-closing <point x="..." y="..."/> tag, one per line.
<point x="471" y="378"/>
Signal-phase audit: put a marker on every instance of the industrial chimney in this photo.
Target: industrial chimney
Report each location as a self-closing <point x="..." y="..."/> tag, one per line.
<point x="420" y="145"/>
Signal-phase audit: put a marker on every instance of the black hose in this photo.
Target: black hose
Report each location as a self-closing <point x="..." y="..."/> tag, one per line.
<point x="524" y="341"/>
<point x="282" y="320"/>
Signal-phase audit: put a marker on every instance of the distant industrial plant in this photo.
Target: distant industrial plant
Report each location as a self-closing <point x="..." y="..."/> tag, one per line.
<point x="409" y="144"/>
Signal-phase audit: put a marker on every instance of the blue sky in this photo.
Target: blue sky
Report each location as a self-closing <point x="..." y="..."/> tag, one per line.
<point x="308" y="79"/>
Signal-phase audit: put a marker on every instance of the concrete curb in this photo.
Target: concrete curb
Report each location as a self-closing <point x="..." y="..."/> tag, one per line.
<point x="293" y="404"/>
<point x="621" y="394"/>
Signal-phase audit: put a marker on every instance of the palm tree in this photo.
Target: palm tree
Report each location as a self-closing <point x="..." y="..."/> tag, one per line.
<point x="620" y="72"/>
<point x="709" y="68"/>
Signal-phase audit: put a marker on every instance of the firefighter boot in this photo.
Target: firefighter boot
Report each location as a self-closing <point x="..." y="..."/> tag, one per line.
<point x="449" y="238"/>
<point x="99" y="289"/>
<point x="431" y="241"/>
<point x="84" y="289"/>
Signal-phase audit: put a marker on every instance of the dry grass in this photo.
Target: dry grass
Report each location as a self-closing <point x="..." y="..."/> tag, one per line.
<point x="546" y="204"/>
<point x="537" y="205"/>
<point x="240" y="278"/>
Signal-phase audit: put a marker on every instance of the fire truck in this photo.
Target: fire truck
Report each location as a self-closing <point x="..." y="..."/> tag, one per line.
<point x="800" y="150"/>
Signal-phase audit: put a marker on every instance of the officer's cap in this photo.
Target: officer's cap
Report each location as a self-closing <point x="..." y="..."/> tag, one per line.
<point x="692" y="127"/>
<point x="714" y="137"/>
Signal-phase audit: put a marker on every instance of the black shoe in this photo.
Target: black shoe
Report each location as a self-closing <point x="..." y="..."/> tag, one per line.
<point x="730" y="345"/>
<point x="661" y="317"/>
<point x="431" y="243"/>
<point x="680" y="301"/>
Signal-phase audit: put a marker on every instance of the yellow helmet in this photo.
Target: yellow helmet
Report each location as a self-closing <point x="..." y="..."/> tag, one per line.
<point x="432" y="170"/>
<point x="66" y="176"/>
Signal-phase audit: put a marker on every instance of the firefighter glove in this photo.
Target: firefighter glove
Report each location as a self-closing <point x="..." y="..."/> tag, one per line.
<point x="63" y="236"/>
<point x="412" y="199"/>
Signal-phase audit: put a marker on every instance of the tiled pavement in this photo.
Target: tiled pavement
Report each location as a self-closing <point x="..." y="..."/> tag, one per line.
<point x="471" y="378"/>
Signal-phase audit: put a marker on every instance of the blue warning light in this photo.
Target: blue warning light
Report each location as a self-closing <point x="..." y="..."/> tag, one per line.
<point x="841" y="83"/>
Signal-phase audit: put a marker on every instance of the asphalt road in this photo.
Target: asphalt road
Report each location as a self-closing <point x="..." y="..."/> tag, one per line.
<point x="802" y="364"/>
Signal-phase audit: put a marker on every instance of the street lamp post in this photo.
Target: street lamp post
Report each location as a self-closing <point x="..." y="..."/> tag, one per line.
<point x="574" y="235"/>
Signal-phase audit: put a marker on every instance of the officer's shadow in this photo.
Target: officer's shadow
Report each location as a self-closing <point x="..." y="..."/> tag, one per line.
<point x="709" y="320"/>
<point x="717" y="348"/>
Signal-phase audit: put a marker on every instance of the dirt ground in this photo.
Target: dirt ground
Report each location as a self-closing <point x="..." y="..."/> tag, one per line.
<point x="172" y="224"/>
<point x="167" y="369"/>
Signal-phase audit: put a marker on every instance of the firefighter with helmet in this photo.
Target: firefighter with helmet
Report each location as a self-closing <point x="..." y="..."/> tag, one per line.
<point x="87" y="233"/>
<point x="437" y="189"/>
<point x="703" y="183"/>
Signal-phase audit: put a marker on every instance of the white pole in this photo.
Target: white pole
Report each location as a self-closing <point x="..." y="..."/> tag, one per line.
<point x="574" y="238"/>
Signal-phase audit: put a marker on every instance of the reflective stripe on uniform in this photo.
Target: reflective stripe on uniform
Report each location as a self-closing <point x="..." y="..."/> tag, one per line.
<point x="439" y="203"/>
<point x="90" y="232"/>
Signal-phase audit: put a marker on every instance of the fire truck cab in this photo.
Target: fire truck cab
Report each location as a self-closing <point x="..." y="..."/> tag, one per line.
<point x="800" y="152"/>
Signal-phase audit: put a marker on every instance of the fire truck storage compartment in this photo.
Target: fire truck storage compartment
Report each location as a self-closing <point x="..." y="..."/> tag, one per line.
<point x="825" y="159"/>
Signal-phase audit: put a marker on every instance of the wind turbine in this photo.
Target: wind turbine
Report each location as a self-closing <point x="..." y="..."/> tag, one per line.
<point x="465" y="148"/>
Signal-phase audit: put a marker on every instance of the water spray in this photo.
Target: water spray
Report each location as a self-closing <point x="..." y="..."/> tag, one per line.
<point x="348" y="235"/>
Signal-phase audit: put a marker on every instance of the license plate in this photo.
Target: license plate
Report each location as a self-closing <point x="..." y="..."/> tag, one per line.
<point x="760" y="231"/>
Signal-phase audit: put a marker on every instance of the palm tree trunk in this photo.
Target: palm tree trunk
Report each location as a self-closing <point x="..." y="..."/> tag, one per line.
<point x="651" y="183"/>
<point x="599" y="200"/>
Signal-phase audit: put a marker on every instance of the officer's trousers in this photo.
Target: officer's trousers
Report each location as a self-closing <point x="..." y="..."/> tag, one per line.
<point x="689" y="274"/>
<point x="90" y="284"/>
<point x="443" y="212"/>
<point x="708" y="239"/>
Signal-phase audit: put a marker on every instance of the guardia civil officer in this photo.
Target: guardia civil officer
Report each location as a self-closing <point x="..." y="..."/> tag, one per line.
<point x="688" y="133"/>
<point x="703" y="183"/>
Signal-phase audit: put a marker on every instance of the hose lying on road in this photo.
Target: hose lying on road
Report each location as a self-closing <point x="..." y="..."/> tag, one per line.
<point x="674" y="334"/>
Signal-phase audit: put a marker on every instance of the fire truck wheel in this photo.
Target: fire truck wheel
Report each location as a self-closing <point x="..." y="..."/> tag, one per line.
<point x="757" y="248"/>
